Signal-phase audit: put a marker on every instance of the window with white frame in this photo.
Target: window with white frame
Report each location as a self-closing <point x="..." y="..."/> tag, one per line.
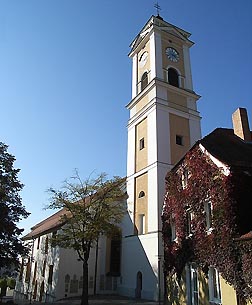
<point x="141" y="227"/>
<point x="173" y="229"/>
<point x="184" y="178"/>
<point x="189" y="219"/>
<point x="214" y="286"/>
<point x="192" y="285"/>
<point x="209" y="215"/>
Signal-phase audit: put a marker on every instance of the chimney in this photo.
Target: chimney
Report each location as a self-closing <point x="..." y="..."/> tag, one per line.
<point x="241" y="124"/>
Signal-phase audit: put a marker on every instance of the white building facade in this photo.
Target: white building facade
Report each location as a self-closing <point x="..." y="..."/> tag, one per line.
<point x="51" y="273"/>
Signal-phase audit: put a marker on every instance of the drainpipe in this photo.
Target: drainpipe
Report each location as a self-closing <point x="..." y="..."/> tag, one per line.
<point x="159" y="281"/>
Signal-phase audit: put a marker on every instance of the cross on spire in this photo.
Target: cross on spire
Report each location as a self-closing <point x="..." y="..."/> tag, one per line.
<point x="157" y="6"/>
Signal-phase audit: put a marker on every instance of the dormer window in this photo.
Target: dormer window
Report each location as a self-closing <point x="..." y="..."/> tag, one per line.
<point x="173" y="77"/>
<point x="144" y="81"/>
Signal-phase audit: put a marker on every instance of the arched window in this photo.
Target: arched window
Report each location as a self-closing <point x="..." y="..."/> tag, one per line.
<point x="67" y="282"/>
<point x="141" y="194"/>
<point x="115" y="255"/>
<point x="173" y="77"/>
<point x="67" y="278"/>
<point x="144" y="80"/>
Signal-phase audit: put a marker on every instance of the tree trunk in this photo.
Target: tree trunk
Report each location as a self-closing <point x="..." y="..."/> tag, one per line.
<point x="3" y="291"/>
<point x="96" y="262"/>
<point x="84" y="297"/>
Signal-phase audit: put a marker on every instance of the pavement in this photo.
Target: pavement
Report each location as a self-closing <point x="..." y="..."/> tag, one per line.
<point x="99" y="300"/>
<point x="108" y="300"/>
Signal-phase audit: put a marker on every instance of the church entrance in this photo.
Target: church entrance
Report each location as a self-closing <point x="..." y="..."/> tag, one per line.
<point x="139" y="280"/>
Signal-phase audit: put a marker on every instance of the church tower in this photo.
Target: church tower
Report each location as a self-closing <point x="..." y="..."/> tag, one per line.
<point x="164" y="123"/>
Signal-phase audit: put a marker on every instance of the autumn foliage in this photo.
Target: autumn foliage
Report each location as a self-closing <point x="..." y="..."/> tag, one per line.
<point x="221" y="247"/>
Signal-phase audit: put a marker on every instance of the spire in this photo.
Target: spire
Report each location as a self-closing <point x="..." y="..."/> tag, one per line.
<point x="157" y="6"/>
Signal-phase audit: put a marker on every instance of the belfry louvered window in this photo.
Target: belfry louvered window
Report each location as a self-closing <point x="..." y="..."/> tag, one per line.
<point x="173" y="77"/>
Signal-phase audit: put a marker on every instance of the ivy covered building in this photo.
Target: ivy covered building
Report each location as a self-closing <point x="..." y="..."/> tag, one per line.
<point x="207" y="220"/>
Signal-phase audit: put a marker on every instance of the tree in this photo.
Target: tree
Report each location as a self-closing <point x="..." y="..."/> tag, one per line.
<point x="6" y="282"/>
<point x="3" y="286"/>
<point x="93" y="207"/>
<point x="11" y="211"/>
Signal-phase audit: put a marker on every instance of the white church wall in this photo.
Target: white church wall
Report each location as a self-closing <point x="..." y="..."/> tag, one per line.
<point x="134" y="75"/>
<point x="127" y="228"/>
<point x="30" y="284"/>
<point x="139" y="255"/>
<point x="156" y="61"/>
<point x="195" y="130"/>
<point x="72" y="267"/>
<point x="67" y="273"/>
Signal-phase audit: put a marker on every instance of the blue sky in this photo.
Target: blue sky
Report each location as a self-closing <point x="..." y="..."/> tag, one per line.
<point x="65" y="79"/>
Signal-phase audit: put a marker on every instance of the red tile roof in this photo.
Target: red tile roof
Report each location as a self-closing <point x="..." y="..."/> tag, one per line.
<point x="47" y="225"/>
<point x="53" y="222"/>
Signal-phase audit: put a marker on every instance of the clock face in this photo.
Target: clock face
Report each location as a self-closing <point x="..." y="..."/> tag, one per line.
<point x="143" y="59"/>
<point x="172" y="54"/>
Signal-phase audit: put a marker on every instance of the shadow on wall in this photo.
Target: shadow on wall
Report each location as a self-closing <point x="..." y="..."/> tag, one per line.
<point x="141" y="274"/>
